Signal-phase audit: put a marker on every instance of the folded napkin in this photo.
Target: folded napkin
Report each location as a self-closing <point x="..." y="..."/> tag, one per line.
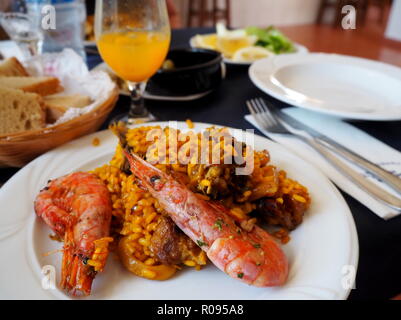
<point x="351" y="137"/>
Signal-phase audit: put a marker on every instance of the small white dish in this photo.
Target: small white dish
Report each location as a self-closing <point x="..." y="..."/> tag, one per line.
<point x="343" y="86"/>
<point x="322" y="253"/>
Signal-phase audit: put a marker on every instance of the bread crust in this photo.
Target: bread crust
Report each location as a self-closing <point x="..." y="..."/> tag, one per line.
<point x="50" y="86"/>
<point x="57" y="105"/>
<point x="12" y="67"/>
<point x="41" y="85"/>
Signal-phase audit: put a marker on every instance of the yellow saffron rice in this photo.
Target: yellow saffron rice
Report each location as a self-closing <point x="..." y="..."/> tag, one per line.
<point x="137" y="213"/>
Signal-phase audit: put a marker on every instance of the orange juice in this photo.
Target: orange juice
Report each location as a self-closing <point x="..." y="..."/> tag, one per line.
<point x="134" y="55"/>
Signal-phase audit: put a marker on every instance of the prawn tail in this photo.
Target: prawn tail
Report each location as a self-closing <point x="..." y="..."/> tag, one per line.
<point x="76" y="275"/>
<point x="262" y="266"/>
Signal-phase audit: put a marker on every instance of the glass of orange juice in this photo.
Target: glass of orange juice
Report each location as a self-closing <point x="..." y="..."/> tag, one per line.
<point x="133" y="37"/>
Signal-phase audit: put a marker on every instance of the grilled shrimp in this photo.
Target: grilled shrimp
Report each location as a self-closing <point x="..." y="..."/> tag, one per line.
<point x="77" y="207"/>
<point x="251" y="256"/>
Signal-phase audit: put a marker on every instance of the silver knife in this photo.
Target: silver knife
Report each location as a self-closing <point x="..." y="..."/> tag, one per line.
<point x="382" y="175"/>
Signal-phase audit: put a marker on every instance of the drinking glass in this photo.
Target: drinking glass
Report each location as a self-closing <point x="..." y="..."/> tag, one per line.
<point x="133" y="37"/>
<point x="24" y="31"/>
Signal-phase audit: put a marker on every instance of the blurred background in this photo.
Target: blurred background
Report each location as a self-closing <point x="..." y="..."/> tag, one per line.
<point x="373" y="15"/>
<point x="282" y="13"/>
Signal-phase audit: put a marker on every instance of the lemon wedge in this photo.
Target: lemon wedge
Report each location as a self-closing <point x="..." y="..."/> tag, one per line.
<point x="251" y="54"/>
<point x="228" y="46"/>
<point x="208" y="41"/>
<point x="230" y="41"/>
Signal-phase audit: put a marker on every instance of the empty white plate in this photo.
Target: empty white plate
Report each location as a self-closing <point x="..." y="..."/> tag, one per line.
<point x="344" y="86"/>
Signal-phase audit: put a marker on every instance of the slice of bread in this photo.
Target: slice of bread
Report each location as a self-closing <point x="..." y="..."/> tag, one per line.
<point x="20" y="111"/>
<point x="57" y="104"/>
<point x="40" y="85"/>
<point x="11" y="67"/>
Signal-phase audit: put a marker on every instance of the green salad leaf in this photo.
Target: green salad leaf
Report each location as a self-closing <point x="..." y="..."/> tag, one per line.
<point x="271" y="39"/>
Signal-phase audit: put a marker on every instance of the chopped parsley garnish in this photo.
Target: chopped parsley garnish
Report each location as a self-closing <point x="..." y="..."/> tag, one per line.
<point x="240" y="275"/>
<point x="256" y="245"/>
<point x="200" y="243"/>
<point x="218" y="224"/>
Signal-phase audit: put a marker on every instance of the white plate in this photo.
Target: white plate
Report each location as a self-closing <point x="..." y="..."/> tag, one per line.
<point x="298" y="49"/>
<point x="343" y="86"/>
<point x="320" y="248"/>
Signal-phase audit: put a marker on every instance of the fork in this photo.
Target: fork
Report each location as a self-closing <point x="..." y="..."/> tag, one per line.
<point x="269" y="122"/>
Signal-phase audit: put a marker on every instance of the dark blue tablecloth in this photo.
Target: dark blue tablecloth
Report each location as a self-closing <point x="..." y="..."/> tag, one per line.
<point x="379" y="269"/>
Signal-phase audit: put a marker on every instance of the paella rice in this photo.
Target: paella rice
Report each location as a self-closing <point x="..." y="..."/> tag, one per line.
<point x="136" y="214"/>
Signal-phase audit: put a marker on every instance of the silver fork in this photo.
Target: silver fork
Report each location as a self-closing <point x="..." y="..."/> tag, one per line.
<point x="269" y="122"/>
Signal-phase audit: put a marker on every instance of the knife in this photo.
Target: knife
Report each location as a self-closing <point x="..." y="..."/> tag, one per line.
<point x="380" y="174"/>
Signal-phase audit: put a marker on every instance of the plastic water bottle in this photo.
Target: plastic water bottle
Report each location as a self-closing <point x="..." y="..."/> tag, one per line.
<point x="70" y="17"/>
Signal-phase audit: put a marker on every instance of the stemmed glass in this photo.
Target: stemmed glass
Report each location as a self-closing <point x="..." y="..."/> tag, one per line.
<point x="133" y="37"/>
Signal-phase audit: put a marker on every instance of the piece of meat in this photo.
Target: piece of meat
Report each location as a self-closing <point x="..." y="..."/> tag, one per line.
<point x="170" y="245"/>
<point x="288" y="214"/>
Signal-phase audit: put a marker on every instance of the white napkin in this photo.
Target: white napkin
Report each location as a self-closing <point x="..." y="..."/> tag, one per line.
<point x="75" y="78"/>
<point x="351" y="137"/>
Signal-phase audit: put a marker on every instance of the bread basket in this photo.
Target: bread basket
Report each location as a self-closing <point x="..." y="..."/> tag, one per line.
<point x="16" y="150"/>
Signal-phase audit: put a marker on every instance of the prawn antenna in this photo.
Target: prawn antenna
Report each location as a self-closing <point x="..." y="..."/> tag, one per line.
<point x="120" y="130"/>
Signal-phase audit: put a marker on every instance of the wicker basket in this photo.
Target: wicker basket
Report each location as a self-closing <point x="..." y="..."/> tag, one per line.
<point x="16" y="150"/>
